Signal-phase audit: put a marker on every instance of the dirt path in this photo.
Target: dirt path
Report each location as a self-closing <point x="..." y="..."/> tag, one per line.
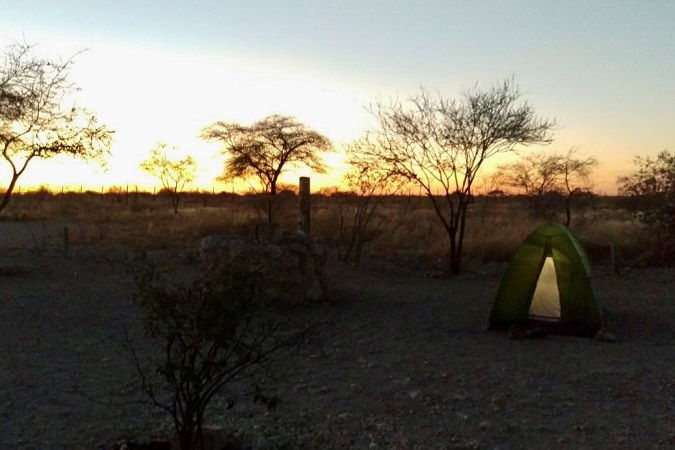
<point x="406" y="364"/>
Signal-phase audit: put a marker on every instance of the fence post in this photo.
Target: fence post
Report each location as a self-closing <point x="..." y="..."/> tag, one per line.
<point x="304" y="215"/>
<point x="614" y="256"/>
<point x="66" y="241"/>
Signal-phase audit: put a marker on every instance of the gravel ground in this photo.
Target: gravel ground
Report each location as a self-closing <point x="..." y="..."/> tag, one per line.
<point x="405" y="364"/>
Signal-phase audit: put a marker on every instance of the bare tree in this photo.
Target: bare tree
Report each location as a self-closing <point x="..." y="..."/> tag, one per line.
<point x="368" y="183"/>
<point x="38" y="118"/>
<point x="650" y="189"/>
<point x="441" y="145"/>
<point x="534" y="174"/>
<point x="174" y="174"/>
<point x="653" y="177"/>
<point x="577" y="179"/>
<point x="544" y="176"/>
<point x="267" y="148"/>
<point x="207" y="335"/>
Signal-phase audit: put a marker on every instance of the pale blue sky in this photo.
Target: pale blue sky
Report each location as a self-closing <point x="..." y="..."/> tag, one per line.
<point x="604" y="69"/>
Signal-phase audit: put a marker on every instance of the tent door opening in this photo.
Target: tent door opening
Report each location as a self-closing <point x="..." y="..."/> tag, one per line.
<point x="546" y="299"/>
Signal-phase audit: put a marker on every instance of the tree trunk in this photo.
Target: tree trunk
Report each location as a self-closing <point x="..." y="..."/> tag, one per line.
<point x="304" y="217"/>
<point x="455" y="260"/>
<point x="455" y="255"/>
<point x="8" y="192"/>
<point x="451" y="227"/>
<point x="461" y="226"/>
<point x="186" y="435"/>
<point x="270" y="200"/>
<point x="175" y="199"/>
<point x="568" y="210"/>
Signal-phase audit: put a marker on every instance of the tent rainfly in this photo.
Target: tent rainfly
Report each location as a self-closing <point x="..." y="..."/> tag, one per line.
<point x="547" y="286"/>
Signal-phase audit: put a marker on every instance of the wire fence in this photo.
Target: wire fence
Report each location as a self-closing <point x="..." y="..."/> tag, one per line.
<point x="131" y="190"/>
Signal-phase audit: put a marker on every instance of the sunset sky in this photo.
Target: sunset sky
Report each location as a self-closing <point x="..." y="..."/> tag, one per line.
<point x="162" y="70"/>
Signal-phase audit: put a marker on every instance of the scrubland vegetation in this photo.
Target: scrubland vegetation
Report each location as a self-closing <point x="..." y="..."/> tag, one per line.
<point x="404" y="231"/>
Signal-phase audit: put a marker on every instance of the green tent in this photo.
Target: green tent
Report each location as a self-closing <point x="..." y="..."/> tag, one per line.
<point x="547" y="286"/>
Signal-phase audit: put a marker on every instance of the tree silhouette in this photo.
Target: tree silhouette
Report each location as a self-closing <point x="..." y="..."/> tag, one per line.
<point x="267" y="148"/>
<point x="441" y="145"/>
<point x="174" y="174"/>
<point x="367" y="185"/>
<point x="651" y="190"/>
<point x="38" y="119"/>
<point x="544" y="176"/>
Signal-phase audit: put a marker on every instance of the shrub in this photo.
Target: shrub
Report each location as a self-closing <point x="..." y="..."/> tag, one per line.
<point x="650" y="190"/>
<point x="213" y="331"/>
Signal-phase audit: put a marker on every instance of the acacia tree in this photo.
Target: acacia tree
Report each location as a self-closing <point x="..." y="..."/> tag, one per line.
<point x="267" y="148"/>
<point x="38" y="118"/>
<point x="542" y="176"/>
<point x="441" y="145"/>
<point x="174" y="174"/>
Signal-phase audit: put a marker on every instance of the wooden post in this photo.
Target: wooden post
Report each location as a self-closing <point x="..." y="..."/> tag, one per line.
<point x="66" y="241"/>
<point x="303" y="216"/>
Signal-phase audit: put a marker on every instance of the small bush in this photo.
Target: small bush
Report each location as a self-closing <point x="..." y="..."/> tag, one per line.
<point x="210" y="332"/>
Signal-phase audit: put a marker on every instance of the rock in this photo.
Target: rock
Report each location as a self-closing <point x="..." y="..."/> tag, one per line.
<point x="536" y="333"/>
<point x="290" y="264"/>
<point x="605" y="336"/>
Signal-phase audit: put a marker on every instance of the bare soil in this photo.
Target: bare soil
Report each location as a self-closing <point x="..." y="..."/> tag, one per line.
<point x="405" y="364"/>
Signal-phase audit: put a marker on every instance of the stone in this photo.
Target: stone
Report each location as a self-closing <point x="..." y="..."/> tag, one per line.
<point x="605" y="336"/>
<point x="291" y="264"/>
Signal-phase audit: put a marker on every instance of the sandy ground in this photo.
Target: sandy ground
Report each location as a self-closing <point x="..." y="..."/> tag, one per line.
<point x="406" y="363"/>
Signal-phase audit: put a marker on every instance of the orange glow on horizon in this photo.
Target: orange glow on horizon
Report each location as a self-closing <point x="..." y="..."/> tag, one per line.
<point x="58" y="174"/>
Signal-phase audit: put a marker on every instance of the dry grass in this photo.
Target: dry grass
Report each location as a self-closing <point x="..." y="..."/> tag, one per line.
<point x="404" y="229"/>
